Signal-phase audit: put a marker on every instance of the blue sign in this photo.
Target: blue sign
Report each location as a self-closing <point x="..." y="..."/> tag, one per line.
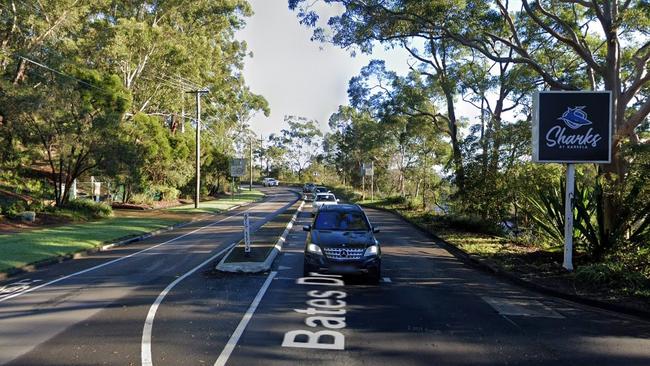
<point x="572" y="127"/>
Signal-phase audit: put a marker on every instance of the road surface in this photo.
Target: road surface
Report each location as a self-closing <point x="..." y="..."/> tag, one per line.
<point x="429" y="309"/>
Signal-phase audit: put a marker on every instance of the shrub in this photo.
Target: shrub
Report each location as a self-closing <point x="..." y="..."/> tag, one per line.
<point x="394" y="200"/>
<point x="164" y="193"/>
<point x="15" y="209"/>
<point x="611" y="275"/>
<point x="468" y="223"/>
<point x="142" y="198"/>
<point x="90" y="208"/>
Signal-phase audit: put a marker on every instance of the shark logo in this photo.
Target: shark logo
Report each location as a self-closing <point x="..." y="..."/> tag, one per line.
<point x="575" y="117"/>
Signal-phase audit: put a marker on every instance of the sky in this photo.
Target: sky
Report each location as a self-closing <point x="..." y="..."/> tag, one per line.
<point x="295" y="75"/>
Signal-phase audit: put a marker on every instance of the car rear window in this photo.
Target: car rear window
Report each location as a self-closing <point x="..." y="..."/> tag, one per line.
<point x="321" y="190"/>
<point x="341" y="220"/>
<point x="322" y="197"/>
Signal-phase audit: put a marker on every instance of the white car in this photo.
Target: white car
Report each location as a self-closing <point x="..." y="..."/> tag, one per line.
<point x="270" y="182"/>
<point x="323" y="199"/>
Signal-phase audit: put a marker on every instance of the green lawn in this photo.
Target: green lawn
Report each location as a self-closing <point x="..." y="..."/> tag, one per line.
<point x="21" y="249"/>
<point x="18" y="250"/>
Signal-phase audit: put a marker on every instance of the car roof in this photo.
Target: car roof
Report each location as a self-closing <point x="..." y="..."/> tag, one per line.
<point x="324" y="194"/>
<point x="342" y="207"/>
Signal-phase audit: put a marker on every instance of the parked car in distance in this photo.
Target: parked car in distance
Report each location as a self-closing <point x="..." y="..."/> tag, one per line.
<point x="341" y="240"/>
<point x="308" y="187"/>
<point x="323" y="199"/>
<point x="270" y="182"/>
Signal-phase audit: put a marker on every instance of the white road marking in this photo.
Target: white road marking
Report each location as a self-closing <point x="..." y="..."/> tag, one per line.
<point x="387" y="279"/>
<point x="521" y="307"/>
<point x="115" y="260"/>
<point x="234" y="338"/>
<point x="148" y="323"/>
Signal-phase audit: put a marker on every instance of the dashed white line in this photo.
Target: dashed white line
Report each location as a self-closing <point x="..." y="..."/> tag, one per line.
<point x="234" y="338"/>
<point x="387" y="279"/>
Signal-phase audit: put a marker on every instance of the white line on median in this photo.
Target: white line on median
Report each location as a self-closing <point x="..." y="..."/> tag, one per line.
<point x="148" y="324"/>
<point x="115" y="260"/>
<point x="234" y="338"/>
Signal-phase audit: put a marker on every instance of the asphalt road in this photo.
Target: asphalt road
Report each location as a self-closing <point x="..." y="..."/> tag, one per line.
<point x="430" y="309"/>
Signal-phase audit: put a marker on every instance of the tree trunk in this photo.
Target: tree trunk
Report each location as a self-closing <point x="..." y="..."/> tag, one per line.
<point x="453" y="134"/>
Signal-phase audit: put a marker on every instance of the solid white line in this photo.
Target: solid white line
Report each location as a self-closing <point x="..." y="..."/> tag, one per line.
<point x="234" y="338"/>
<point x="115" y="260"/>
<point x="148" y="324"/>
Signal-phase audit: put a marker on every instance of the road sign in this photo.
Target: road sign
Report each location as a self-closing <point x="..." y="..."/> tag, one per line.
<point x="237" y="167"/>
<point x="247" y="235"/>
<point x="572" y="127"/>
<point x="366" y="169"/>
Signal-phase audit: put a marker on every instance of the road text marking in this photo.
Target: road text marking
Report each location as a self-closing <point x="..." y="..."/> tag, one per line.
<point x="330" y="313"/>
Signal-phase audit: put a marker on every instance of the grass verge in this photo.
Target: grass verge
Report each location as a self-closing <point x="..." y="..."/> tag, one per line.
<point x="24" y="248"/>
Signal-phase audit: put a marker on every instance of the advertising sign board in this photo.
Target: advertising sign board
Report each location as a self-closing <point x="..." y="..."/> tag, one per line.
<point x="572" y="127"/>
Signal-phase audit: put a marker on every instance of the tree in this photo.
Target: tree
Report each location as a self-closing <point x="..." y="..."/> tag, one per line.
<point x="153" y="51"/>
<point x="300" y="142"/>
<point x="73" y="122"/>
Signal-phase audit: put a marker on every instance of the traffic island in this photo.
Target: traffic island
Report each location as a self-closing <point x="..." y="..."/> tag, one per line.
<point x="265" y="244"/>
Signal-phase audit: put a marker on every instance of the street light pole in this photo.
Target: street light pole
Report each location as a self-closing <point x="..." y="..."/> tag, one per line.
<point x="197" y="192"/>
<point x="250" y="185"/>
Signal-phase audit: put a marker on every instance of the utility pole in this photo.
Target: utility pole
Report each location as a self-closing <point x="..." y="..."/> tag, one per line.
<point x="250" y="185"/>
<point x="261" y="155"/>
<point x="372" y="180"/>
<point x="197" y="192"/>
<point x="182" y="112"/>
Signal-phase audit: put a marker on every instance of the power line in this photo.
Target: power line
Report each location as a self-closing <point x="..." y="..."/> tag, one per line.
<point x="62" y="73"/>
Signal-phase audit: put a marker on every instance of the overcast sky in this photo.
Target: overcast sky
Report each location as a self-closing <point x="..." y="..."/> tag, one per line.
<point x="298" y="76"/>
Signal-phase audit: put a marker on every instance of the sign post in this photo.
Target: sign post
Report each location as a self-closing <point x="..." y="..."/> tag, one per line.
<point x="568" y="216"/>
<point x="247" y="236"/>
<point x="572" y="127"/>
<point x="367" y="170"/>
<point x="372" y="180"/>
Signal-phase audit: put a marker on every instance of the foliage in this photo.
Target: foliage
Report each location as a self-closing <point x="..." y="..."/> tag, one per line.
<point x="612" y="275"/>
<point x="298" y="144"/>
<point x="90" y="208"/>
<point x="98" y="89"/>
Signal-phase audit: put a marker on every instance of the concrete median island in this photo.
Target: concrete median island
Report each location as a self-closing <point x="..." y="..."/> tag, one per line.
<point x="266" y="242"/>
